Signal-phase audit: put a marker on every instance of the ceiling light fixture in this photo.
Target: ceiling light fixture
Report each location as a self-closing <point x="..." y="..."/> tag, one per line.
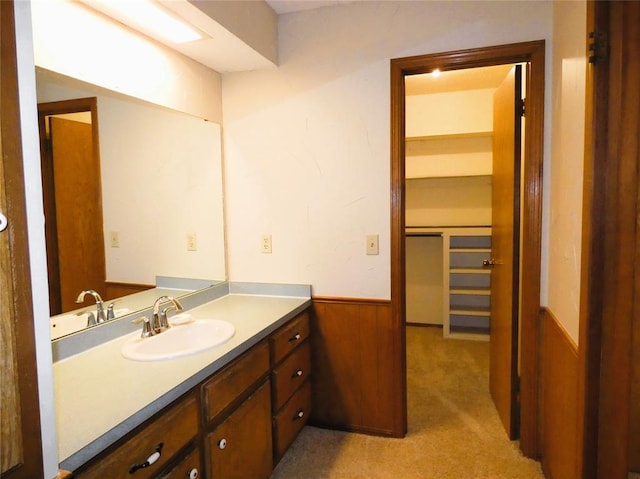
<point x="435" y="73"/>
<point x="149" y="16"/>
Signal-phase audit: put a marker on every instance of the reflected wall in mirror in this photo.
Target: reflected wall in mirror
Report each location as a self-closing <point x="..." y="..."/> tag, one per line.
<point x="161" y="187"/>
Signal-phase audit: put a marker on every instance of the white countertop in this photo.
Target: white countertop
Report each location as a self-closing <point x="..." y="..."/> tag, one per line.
<point x="100" y="395"/>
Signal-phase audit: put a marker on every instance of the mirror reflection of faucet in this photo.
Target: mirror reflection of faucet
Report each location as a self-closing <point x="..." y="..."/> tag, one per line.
<point x="159" y="322"/>
<point x="100" y="316"/>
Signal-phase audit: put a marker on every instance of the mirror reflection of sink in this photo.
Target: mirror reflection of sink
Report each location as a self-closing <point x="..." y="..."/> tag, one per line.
<point x="64" y="324"/>
<point x="180" y="340"/>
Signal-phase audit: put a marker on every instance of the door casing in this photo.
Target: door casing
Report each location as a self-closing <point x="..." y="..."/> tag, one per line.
<point x="527" y="52"/>
<point x="93" y="210"/>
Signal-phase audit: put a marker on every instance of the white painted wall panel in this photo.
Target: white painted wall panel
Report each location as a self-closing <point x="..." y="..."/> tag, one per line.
<point x="567" y="160"/>
<point x="307" y="145"/>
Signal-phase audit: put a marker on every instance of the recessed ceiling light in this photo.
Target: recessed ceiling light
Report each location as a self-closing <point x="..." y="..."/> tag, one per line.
<point x="435" y="73"/>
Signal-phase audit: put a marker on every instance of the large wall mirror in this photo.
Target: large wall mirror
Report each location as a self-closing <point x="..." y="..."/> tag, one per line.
<point x="158" y="183"/>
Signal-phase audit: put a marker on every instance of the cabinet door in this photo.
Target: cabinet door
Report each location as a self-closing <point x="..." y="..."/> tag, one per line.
<point x="241" y="447"/>
<point x="188" y="468"/>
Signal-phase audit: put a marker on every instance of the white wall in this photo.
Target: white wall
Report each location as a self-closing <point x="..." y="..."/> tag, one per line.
<point x="167" y="164"/>
<point x="464" y="201"/>
<point x="71" y="39"/>
<point x="456" y="112"/>
<point x="307" y="146"/>
<point x="567" y="159"/>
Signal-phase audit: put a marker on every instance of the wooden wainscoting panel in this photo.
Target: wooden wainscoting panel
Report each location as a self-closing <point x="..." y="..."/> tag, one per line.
<point x="353" y="365"/>
<point x="115" y="290"/>
<point x="559" y="400"/>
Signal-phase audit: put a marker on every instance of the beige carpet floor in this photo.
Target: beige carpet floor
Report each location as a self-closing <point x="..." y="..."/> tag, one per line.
<point x="454" y="429"/>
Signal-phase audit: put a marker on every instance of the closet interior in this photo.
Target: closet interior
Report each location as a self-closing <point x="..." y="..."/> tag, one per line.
<point x="448" y="171"/>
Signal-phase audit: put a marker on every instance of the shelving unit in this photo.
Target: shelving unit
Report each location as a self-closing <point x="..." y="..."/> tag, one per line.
<point x="466" y="299"/>
<point x="469" y="284"/>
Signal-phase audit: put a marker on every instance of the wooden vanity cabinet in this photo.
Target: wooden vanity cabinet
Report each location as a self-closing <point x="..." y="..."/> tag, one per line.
<point x="236" y="424"/>
<point x="291" y="395"/>
<point x="170" y="433"/>
<point x="241" y="446"/>
<point x="237" y="412"/>
<point x="189" y="467"/>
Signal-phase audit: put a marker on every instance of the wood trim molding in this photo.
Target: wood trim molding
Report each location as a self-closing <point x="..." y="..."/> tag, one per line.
<point x="21" y="447"/>
<point x="611" y="256"/>
<point x="338" y="299"/>
<point x="114" y="289"/>
<point x="593" y="253"/>
<point x="532" y="52"/>
<point x="559" y="385"/>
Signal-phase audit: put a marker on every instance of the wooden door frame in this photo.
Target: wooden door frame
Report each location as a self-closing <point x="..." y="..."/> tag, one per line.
<point x="611" y="243"/>
<point x="77" y="105"/>
<point x="18" y="325"/>
<point x="533" y="53"/>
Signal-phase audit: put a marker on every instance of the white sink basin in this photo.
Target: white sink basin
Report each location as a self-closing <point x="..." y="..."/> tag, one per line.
<point x="178" y="341"/>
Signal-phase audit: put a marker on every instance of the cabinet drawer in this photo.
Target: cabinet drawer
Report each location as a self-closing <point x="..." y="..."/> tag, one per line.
<point x="173" y="429"/>
<point x="241" y="447"/>
<point x="287" y="338"/>
<point x="291" y="374"/>
<point x="236" y="378"/>
<point x="184" y="468"/>
<point x="291" y="419"/>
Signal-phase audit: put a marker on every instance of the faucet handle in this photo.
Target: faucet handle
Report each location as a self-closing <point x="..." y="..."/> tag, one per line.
<point x="147" y="331"/>
<point x="163" y="319"/>
<point x="91" y="320"/>
<point x="110" y="313"/>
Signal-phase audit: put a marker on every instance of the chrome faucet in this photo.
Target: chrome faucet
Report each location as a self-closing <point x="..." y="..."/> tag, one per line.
<point x="100" y="315"/>
<point x="160" y="322"/>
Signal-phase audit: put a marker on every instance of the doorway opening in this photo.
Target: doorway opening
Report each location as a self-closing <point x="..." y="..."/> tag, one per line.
<point x="462" y="170"/>
<point x="532" y="54"/>
<point x="72" y="196"/>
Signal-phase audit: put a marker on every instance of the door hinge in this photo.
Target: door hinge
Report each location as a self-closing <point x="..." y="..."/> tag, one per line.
<point x="522" y="107"/>
<point x="598" y="46"/>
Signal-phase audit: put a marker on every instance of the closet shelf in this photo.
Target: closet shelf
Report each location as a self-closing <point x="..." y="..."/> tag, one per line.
<point x="469" y="285"/>
<point x="470" y="250"/>
<point x="470" y="270"/>
<point x="451" y="136"/>
<point x="471" y="291"/>
<point x="468" y="311"/>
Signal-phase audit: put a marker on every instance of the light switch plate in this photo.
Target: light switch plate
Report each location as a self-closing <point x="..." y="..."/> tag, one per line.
<point x="114" y="239"/>
<point x="372" y="244"/>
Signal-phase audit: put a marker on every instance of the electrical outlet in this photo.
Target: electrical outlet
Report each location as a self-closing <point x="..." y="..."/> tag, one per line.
<point x="266" y="244"/>
<point x="372" y="244"/>
<point x="114" y="238"/>
<point x="192" y="242"/>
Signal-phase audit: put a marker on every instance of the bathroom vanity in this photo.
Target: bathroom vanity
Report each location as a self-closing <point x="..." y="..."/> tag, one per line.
<point x="227" y="412"/>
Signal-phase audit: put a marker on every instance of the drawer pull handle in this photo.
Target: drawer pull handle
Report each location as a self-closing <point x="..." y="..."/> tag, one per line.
<point x="193" y="473"/>
<point x="295" y="337"/>
<point x="298" y="415"/>
<point x="222" y="443"/>
<point x="297" y="374"/>
<point x="150" y="460"/>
